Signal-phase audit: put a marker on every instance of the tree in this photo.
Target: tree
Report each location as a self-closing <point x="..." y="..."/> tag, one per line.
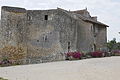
<point x="111" y="44"/>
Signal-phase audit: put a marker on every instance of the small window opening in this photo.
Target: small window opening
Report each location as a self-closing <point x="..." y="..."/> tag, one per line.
<point x="68" y="43"/>
<point x="91" y="28"/>
<point x="68" y="46"/>
<point x="29" y="17"/>
<point x="50" y="32"/>
<point x="45" y="38"/>
<point x="37" y="40"/>
<point x="95" y="35"/>
<point x="46" y="17"/>
<point x="94" y="47"/>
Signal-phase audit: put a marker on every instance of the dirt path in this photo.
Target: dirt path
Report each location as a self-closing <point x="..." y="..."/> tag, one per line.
<point x="89" y="69"/>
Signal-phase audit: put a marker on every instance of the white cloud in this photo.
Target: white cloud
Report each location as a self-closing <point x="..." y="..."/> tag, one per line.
<point x="106" y="10"/>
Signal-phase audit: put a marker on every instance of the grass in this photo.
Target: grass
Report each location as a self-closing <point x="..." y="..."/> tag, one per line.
<point x="2" y="78"/>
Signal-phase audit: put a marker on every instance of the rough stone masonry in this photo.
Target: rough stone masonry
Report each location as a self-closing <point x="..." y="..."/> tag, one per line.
<point x="45" y="35"/>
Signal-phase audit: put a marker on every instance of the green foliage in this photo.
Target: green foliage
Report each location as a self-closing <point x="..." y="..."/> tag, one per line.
<point x="113" y="45"/>
<point x="118" y="45"/>
<point x="2" y="78"/>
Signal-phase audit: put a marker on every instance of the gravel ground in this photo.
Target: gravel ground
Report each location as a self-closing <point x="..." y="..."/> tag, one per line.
<point x="107" y="68"/>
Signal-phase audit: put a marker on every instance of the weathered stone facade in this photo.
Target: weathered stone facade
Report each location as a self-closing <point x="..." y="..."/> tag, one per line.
<point x="45" y="35"/>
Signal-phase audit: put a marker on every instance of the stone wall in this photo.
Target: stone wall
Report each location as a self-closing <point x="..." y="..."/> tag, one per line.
<point x="43" y="40"/>
<point x="48" y="39"/>
<point x="45" y="35"/>
<point x="67" y="27"/>
<point x="102" y="38"/>
<point x="91" y="37"/>
<point x="85" y="36"/>
<point x="13" y="28"/>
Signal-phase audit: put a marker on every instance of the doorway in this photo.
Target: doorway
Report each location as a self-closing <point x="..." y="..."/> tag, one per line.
<point x="94" y="47"/>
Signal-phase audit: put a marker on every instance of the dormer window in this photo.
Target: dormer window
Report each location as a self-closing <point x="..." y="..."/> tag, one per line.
<point x="46" y="17"/>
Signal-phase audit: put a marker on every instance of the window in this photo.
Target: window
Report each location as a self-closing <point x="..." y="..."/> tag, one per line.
<point x="94" y="47"/>
<point x="29" y="17"/>
<point x="68" y="46"/>
<point x="69" y="43"/>
<point x="91" y="28"/>
<point x="94" y="29"/>
<point x="46" y="17"/>
<point x="45" y="38"/>
<point x="37" y="40"/>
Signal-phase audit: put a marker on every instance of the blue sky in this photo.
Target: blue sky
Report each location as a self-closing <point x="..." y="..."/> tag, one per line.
<point x="108" y="11"/>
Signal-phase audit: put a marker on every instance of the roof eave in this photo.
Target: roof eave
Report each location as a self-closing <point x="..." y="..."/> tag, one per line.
<point x="97" y="23"/>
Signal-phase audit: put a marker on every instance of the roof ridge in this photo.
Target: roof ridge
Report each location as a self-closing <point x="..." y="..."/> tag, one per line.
<point x="14" y="9"/>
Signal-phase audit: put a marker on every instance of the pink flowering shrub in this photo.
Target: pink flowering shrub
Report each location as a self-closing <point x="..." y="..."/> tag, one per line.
<point x="5" y="62"/>
<point x="0" y="62"/>
<point x="97" y="54"/>
<point x="116" y="53"/>
<point x="73" y="55"/>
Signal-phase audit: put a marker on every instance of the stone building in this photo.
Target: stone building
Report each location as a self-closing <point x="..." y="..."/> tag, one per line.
<point x="45" y="35"/>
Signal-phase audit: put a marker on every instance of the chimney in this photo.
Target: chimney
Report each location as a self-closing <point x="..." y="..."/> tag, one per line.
<point x="94" y="18"/>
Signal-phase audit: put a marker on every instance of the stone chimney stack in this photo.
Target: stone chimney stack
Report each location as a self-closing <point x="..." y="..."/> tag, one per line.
<point x="94" y="18"/>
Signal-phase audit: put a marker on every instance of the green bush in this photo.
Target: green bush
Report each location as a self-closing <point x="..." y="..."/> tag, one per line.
<point x="2" y="78"/>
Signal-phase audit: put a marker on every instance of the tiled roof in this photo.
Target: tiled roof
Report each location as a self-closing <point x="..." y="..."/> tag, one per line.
<point x="79" y="16"/>
<point x="91" y="20"/>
